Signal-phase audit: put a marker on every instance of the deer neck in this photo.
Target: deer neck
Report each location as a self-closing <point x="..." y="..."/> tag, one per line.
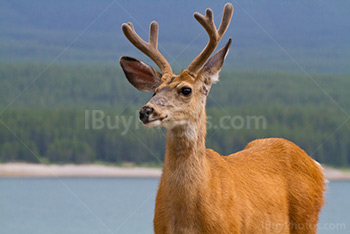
<point x="185" y="174"/>
<point x="185" y="160"/>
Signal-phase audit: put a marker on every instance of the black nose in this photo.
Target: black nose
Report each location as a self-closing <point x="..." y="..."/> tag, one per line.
<point x="145" y="112"/>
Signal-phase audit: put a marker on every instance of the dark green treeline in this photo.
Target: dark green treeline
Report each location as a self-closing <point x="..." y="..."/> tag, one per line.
<point x="89" y="113"/>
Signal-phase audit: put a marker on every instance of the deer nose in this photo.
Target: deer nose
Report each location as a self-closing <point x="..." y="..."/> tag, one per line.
<point x="145" y="112"/>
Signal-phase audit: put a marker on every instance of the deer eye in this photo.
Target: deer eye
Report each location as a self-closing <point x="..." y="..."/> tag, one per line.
<point x="186" y="91"/>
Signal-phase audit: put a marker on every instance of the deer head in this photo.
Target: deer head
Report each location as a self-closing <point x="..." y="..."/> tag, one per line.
<point x="178" y="100"/>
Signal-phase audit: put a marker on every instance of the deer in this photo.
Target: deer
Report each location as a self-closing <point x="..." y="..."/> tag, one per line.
<point x="271" y="186"/>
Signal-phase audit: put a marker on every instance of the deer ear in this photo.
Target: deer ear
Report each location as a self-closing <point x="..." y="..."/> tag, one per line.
<point x="210" y="71"/>
<point x="141" y="75"/>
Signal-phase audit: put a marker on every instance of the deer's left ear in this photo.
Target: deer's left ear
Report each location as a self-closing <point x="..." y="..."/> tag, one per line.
<point x="141" y="75"/>
<point x="210" y="71"/>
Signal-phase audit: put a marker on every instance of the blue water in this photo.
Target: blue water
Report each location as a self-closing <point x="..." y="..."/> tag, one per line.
<point x="111" y="205"/>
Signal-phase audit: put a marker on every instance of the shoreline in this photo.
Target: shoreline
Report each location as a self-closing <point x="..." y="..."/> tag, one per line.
<point x="14" y="170"/>
<point x="8" y="170"/>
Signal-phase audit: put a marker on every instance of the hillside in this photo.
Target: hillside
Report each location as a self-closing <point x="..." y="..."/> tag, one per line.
<point x="54" y="117"/>
<point x="316" y="34"/>
<point x="287" y="75"/>
<point x="103" y="86"/>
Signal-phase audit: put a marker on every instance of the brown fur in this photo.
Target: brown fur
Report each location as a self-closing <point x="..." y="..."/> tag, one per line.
<point x="271" y="186"/>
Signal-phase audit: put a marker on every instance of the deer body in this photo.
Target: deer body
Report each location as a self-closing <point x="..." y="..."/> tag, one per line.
<point x="256" y="190"/>
<point x="271" y="186"/>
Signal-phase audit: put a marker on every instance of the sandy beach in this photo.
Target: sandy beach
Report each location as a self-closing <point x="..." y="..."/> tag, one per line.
<point x="71" y="170"/>
<point x="92" y="170"/>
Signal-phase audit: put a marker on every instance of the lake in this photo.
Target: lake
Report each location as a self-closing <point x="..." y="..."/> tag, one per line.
<point x="112" y="206"/>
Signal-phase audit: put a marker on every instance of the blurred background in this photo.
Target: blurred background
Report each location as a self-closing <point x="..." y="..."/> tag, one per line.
<point x="59" y="64"/>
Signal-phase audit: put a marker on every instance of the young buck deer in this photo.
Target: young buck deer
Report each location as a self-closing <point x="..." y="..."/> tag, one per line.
<point x="271" y="186"/>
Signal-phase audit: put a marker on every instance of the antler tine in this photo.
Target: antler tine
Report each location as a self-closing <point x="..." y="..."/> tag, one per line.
<point x="150" y="48"/>
<point x="226" y="19"/>
<point x="153" y="34"/>
<point x="215" y="35"/>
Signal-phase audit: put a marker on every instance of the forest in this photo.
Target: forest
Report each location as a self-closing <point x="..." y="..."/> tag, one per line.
<point x="52" y="120"/>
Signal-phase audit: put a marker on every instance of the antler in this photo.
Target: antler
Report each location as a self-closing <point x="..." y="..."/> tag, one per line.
<point x="214" y="35"/>
<point x="150" y="48"/>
